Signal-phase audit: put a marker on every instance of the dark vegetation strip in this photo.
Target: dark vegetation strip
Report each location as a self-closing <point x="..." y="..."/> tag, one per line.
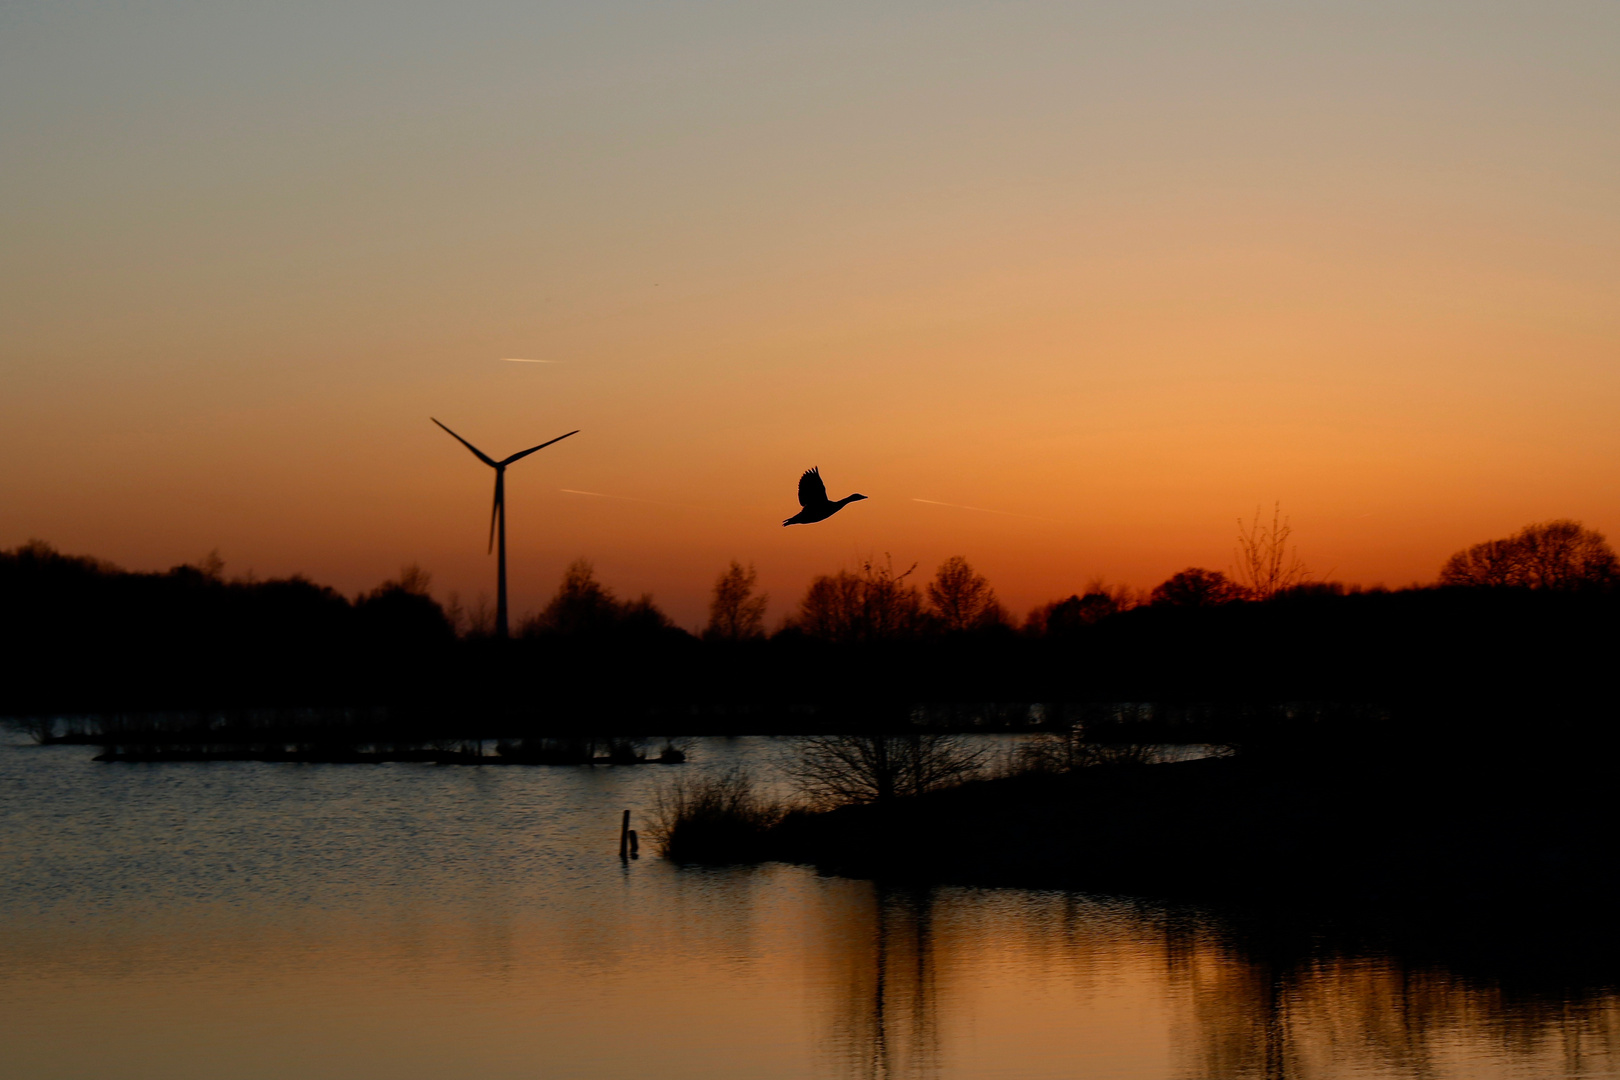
<point x="78" y="636"/>
<point x="1243" y="829"/>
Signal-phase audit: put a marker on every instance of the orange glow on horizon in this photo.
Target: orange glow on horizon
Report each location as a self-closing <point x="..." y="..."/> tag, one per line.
<point x="1119" y="277"/>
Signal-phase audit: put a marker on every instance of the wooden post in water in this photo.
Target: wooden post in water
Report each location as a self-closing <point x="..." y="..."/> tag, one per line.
<point x="624" y="836"/>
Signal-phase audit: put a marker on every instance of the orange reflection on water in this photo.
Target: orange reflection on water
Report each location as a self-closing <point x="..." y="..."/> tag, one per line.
<point x="771" y="973"/>
<point x="418" y="923"/>
<point x="920" y="983"/>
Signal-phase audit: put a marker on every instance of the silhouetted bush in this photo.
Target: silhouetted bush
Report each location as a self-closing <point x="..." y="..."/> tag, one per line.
<point x="583" y="607"/>
<point x="1065" y="618"/>
<point x="1196" y="587"/>
<point x="400" y="614"/>
<point x="712" y="817"/>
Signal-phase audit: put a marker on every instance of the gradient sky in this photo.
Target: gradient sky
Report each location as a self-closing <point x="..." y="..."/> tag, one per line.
<point x="1121" y="271"/>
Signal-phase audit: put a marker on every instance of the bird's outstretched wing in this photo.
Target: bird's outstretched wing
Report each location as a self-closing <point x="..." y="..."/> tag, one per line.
<point x="812" y="492"/>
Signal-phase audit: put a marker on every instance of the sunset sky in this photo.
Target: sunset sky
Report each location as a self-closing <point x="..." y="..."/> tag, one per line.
<point x="1113" y="273"/>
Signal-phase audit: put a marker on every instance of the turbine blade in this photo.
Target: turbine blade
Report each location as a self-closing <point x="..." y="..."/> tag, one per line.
<point x="485" y="458"/>
<point x="532" y="449"/>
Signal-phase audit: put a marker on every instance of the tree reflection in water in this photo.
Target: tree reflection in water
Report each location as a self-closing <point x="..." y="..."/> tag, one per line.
<point x="1307" y="1017"/>
<point x="884" y="1021"/>
<point x="907" y="970"/>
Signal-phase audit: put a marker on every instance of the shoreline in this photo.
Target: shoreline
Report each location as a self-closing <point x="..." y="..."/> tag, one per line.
<point x="336" y="756"/>
<point x="1505" y="863"/>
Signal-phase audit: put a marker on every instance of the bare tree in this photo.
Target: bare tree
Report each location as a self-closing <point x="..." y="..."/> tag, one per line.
<point x="1066" y="751"/>
<point x="581" y="605"/>
<point x="1060" y="617"/>
<point x="415" y="580"/>
<point x="642" y="614"/>
<point x="1266" y="562"/>
<point x="481" y="619"/>
<point x="405" y="606"/>
<point x="1196" y="587"/>
<point x="1495" y="563"/>
<point x="834" y="770"/>
<point x="961" y="599"/>
<point x="412" y="581"/>
<point x="1562" y="555"/>
<point x="735" y="613"/>
<point x="210" y="566"/>
<point x="869" y="604"/>
<point x="457" y="614"/>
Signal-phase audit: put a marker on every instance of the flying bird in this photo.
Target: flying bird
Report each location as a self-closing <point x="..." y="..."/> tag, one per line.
<point x="813" y="498"/>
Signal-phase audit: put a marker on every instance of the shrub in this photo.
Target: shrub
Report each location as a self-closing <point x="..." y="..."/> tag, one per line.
<point x="712" y="817"/>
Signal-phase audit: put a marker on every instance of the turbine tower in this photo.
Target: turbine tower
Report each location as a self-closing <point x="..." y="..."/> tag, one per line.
<point x="497" y="516"/>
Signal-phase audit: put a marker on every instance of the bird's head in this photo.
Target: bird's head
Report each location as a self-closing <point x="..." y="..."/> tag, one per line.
<point x="856" y="498"/>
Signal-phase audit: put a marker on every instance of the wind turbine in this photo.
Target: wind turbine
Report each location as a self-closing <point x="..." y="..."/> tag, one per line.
<point x="497" y="516"/>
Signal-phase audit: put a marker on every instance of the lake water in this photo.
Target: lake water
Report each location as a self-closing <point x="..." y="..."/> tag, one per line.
<point x="400" y="921"/>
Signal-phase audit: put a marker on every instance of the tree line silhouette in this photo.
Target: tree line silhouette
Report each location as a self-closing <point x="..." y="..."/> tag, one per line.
<point x="1534" y="614"/>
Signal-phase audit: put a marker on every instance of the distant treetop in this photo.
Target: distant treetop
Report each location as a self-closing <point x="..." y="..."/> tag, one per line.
<point x="1196" y="587"/>
<point x="1562" y="555"/>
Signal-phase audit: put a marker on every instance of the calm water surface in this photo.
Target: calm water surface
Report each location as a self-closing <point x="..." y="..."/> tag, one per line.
<point x="402" y="921"/>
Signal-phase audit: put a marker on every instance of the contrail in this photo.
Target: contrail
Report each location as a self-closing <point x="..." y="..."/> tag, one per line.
<point x="521" y="360"/>
<point x="622" y="498"/>
<point x="980" y="509"/>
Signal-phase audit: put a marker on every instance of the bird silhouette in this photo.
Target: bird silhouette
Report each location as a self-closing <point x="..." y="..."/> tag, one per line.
<point x="813" y="499"/>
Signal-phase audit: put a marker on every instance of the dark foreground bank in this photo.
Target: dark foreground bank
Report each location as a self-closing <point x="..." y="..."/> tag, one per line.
<point x="1504" y="850"/>
<point x="1236" y="827"/>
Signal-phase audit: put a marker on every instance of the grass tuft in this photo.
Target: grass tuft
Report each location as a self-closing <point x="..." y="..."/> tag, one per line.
<point x="712" y="817"/>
